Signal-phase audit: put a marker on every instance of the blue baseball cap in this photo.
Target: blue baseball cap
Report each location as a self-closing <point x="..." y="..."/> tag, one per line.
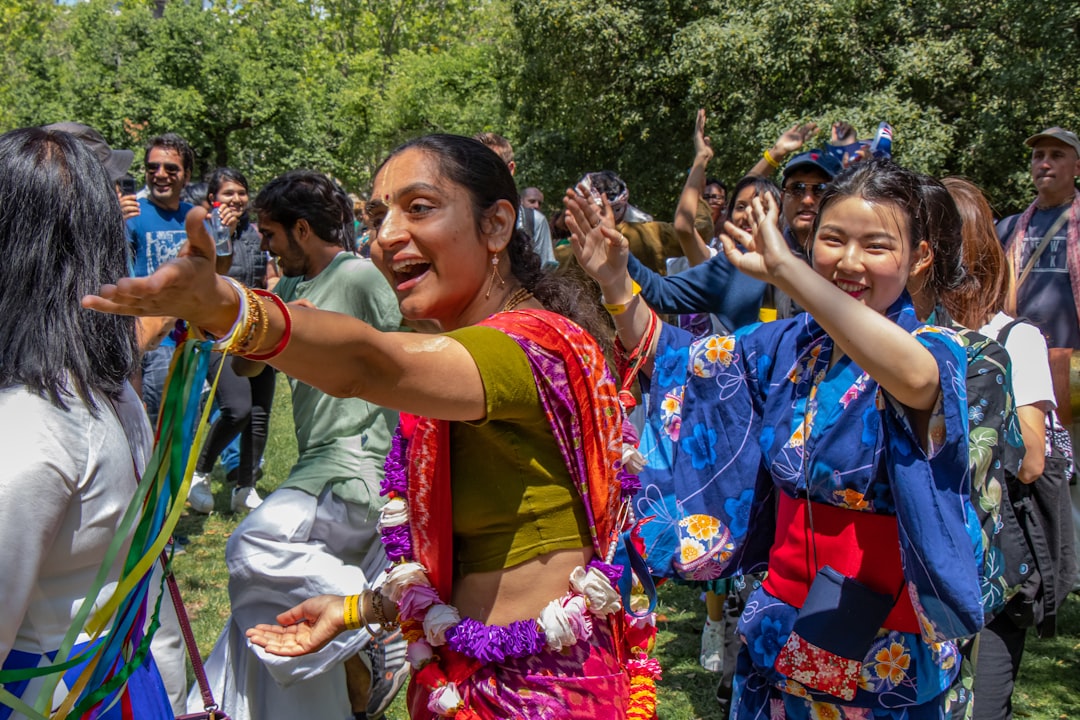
<point x="814" y="160"/>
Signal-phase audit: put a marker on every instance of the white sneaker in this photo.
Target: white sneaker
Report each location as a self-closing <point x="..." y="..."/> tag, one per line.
<point x="712" y="646"/>
<point x="199" y="496"/>
<point x="245" y="499"/>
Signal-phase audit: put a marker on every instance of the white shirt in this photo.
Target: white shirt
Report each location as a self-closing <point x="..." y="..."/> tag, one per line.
<point x="1030" y="361"/>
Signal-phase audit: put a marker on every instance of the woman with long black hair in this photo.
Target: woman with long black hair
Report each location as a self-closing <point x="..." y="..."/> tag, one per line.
<point x="75" y="433"/>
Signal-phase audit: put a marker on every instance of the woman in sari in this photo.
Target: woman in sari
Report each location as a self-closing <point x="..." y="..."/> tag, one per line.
<point x="507" y="599"/>
<point x="851" y="418"/>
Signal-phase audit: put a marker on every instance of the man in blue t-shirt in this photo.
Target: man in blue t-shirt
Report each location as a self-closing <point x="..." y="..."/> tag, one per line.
<point x="157" y="232"/>
<point x="156" y="235"/>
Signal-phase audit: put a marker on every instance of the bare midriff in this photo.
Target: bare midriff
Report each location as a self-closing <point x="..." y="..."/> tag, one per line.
<point x="500" y="597"/>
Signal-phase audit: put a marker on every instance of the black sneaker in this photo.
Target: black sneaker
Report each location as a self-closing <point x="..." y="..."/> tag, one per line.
<point x="389" y="670"/>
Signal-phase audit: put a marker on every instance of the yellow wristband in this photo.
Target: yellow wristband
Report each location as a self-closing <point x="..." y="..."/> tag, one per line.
<point x="619" y="309"/>
<point x="771" y="160"/>
<point x="352" y="613"/>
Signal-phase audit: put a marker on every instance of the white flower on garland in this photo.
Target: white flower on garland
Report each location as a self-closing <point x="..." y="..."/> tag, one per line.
<point x="601" y="598"/>
<point x="438" y="620"/>
<point x="445" y="700"/>
<point x="401" y="576"/>
<point x="394" y="513"/>
<point x="565" y="621"/>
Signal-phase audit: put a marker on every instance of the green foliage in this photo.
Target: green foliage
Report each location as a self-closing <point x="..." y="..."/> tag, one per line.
<point x="268" y="85"/>
<point x="962" y="84"/>
<point x="264" y="85"/>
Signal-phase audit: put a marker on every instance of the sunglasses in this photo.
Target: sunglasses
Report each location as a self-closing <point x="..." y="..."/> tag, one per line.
<point x="170" y="168"/>
<point x="712" y="196"/>
<point x="801" y="189"/>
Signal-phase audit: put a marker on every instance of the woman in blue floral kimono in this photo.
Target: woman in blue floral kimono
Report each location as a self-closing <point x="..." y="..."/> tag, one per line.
<point x="830" y="449"/>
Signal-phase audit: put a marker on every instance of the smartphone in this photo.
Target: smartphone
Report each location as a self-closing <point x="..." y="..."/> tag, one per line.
<point x="127" y="185"/>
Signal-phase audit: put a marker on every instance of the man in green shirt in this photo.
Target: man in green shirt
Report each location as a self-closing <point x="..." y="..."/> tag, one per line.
<point x="317" y="532"/>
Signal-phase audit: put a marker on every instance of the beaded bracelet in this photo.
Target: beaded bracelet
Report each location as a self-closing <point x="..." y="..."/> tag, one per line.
<point x="285" y="336"/>
<point x="380" y="612"/>
<point x="352" y="613"/>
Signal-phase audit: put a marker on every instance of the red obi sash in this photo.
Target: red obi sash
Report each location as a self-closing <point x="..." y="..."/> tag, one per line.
<point x="860" y="545"/>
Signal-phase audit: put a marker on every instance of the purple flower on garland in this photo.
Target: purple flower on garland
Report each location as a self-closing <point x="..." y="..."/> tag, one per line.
<point x="523" y="639"/>
<point x="470" y="637"/>
<point x="611" y="572"/>
<point x="495" y="643"/>
<point x="398" y="542"/>
<point x="395" y="478"/>
<point x="629" y="483"/>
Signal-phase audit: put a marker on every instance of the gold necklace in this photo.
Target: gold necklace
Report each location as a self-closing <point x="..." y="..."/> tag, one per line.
<point x="519" y="296"/>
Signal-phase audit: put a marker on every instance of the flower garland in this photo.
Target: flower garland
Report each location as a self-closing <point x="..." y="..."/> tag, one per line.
<point x="428" y="623"/>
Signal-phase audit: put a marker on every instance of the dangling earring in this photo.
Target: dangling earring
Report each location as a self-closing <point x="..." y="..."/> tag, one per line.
<point x="494" y="274"/>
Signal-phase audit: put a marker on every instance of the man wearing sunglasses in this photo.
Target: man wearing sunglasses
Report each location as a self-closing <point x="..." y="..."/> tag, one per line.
<point x="804" y="181"/>
<point x="157" y="232"/>
<point x="156" y="235"/>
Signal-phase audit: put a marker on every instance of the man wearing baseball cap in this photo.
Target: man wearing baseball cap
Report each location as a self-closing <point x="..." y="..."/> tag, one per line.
<point x="1049" y="294"/>
<point x="116" y="162"/>
<point x="1043" y="245"/>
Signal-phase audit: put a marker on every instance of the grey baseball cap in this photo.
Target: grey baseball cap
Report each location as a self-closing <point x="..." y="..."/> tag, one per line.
<point x="1056" y="133"/>
<point x="116" y="162"/>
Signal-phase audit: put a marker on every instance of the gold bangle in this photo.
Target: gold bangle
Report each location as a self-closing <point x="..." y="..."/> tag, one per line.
<point x="620" y="308"/>
<point x="352" y="613"/>
<point x="771" y="160"/>
<point x="264" y="326"/>
<point x="260" y="324"/>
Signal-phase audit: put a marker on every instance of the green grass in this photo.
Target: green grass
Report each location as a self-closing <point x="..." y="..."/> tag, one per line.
<point x="1048" y="686"/>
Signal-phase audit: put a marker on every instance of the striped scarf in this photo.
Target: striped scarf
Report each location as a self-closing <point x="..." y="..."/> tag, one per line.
<point x="1014" y="248"/>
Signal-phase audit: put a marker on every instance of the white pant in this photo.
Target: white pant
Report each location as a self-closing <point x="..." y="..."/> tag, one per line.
<point x="290" y="548"/>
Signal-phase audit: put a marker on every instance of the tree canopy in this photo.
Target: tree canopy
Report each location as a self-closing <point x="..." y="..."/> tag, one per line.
<point x="269" y="85"/>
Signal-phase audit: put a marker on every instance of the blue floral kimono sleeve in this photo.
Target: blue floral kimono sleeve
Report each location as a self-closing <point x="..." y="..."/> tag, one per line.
<point x="708" y="500"/>
<point x="940" y="536"/>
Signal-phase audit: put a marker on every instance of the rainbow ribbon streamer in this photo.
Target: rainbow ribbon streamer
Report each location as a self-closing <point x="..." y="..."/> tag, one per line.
<point x="117" y="645"/>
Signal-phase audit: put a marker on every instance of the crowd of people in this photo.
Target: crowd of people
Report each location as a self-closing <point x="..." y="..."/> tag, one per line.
<point x="838" y="404"/>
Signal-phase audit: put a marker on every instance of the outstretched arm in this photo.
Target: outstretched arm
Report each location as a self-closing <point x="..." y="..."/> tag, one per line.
<point x="895" y="359"/>
<point x="338" y="354"/>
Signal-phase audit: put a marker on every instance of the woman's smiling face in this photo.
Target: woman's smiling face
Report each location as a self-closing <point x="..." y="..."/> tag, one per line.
<point x="428" y="242"/>
<point x="864" y="248"/>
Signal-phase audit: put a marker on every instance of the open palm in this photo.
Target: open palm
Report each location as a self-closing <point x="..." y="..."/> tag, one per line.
<point x="186" y="287"/>
<point x="762" y="252"/>
<point x="601" y="250"/>
<point x="303" y="629"/>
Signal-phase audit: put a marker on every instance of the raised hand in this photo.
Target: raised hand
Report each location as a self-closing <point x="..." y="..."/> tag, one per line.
<point x="601" y="250"/>
<point x="303" y="629"/>
<point x="187" y="287"/>
<point x="765" y="254"/>
<point x="792" y="139"/>
<point x="702" y="143"/>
